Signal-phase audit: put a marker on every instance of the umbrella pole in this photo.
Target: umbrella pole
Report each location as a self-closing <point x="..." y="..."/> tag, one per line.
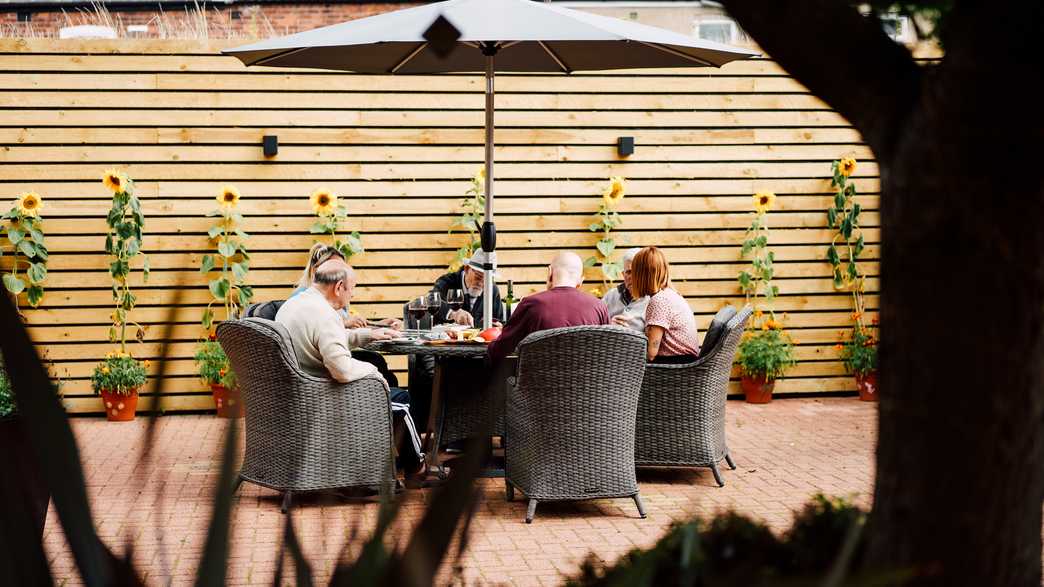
<point x="489" y="233"/>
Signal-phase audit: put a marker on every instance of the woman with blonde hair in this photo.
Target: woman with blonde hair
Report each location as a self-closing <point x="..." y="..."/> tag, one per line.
<point x="669" y="323"/>
<point x="320" y="254"/>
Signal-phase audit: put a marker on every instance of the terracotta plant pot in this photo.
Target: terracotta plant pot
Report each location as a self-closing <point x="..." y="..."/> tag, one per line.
<point x="757" y="389"/>
<point x="867" y="385"/>
<point x="23" y="491"/>
<point x="118" y="407"/>
<point x="229" y="402"/>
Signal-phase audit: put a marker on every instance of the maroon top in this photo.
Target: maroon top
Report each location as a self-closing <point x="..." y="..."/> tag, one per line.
<point x="554" y="308"/>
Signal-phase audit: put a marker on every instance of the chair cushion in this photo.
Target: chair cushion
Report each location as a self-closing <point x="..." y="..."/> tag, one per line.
<point x="266" y="310"/>
<point x="716" y="328"/>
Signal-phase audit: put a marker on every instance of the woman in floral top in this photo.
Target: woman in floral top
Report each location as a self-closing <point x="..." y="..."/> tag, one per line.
<point x="669" y="323"/>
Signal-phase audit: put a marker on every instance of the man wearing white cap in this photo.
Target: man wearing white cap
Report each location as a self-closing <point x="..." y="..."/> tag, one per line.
<point x="470" y="278"/>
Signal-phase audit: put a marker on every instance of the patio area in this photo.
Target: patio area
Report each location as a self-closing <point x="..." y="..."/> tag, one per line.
<point x="786" y="451"/>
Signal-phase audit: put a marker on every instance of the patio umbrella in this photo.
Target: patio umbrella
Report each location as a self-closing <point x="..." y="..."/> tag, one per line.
<point x="487" y="35"/>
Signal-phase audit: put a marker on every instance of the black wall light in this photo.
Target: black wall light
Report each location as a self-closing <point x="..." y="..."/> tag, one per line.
<point x="271" y="145"/>
<point x="625" y="146"/>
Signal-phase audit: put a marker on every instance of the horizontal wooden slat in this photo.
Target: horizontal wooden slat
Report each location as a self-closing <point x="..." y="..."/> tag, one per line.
<point x="416" y="153"/>
<point x="407" y="118"/>
<point x="423" y="136"/>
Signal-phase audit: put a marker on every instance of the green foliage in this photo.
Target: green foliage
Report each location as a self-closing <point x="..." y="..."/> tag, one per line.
<point x="473" y="214"/>
<point x="7" y="401"/>
<point x="859" y="351"/>
<point x="229" y="288"/>
<point x="733" y="549"/>
<point x="24" y="233"/>
<point x="843" y="216"/>
<point x="608" y="220"/>
<point x="214" y="368"/>
<point x="119" y="373"/>
<point x="123" y="243"/>
<point x="328" y="221"/>
<point x="765" y="353"/>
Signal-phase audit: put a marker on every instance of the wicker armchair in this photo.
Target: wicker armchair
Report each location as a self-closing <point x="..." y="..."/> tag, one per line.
<point x="571" y="415"/>
<point x="305" y="433"/>
<point x="681" y="413"/>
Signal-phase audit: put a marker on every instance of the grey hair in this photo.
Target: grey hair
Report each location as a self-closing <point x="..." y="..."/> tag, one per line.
<point x="630" y="254"/>
<point x="330" y="275"/>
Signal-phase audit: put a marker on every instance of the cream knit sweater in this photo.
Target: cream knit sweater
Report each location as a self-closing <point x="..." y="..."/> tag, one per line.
<point x="321" y="342"/>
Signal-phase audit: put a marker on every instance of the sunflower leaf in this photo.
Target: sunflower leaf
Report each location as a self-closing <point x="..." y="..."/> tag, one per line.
<point x="27" y="248"/>
<point x="13" y="283"/>
<point x="15" y="236"/>
<point x="219" y="288"/>
<point x="214" y="231"/>
<point x="239" y="270"/>
<point x="206" y="264"/>
<point x="35" y="295"/>
<point x="37" y="272"/>
<point x="318" y="228"/>
<point x="226" y="249"/>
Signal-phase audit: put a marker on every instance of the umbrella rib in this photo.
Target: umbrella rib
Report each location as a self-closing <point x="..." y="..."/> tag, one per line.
<point x="286" y="53"/>
<point x="407" y="58"/>
<point x="677" y="53"/>
<point x="558" y="60"/>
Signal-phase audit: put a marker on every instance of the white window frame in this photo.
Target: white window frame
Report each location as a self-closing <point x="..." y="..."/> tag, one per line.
<point x="734" y="37"/>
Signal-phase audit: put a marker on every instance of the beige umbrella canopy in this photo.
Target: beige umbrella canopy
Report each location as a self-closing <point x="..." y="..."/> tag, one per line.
<point x="487" y="35"/>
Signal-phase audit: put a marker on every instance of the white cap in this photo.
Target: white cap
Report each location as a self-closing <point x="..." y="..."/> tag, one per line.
<point x="479" y="259"/>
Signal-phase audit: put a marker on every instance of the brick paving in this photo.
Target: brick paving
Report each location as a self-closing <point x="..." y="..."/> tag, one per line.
<point x="786" y="451"/>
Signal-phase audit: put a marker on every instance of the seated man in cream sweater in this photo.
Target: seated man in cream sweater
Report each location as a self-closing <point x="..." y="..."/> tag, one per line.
<point x="321" y="342"/>
<point x="323" y="345"/>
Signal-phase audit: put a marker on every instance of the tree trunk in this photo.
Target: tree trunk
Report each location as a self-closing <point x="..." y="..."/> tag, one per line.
<point x="960" y="457"/>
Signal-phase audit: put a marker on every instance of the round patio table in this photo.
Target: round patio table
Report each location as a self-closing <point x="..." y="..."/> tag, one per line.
<point x="440" y="352"/>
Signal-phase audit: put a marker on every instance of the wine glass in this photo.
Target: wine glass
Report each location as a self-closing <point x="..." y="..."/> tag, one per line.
<point x="455" y="299"/>
<point x="433" y="302"/>
<point x="417" y="308"/>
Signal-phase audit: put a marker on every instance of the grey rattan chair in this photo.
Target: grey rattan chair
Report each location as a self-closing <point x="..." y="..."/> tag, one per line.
<point x="681" y="413"/>
<point x="571" y="415"/>
<point x="305" y="433"/>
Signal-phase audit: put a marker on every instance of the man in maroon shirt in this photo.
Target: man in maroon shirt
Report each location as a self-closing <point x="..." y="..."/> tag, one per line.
<point x="563" y="304"/>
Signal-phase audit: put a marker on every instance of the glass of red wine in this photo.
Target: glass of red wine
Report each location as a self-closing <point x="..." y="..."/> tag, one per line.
<point x="417" y="308"/>
<point x="455" y="299"/>
<point x="433" y="302"/>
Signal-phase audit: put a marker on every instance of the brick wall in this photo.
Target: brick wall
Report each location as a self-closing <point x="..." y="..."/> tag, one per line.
<point x="240" y="20"/>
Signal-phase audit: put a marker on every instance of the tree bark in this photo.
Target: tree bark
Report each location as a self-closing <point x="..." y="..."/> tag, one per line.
<point x="960" y="456"/>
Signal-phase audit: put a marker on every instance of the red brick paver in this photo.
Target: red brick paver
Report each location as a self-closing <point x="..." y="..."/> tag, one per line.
<point x="786" y="451"/>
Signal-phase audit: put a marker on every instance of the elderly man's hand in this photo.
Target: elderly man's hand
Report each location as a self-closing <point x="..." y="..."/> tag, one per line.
<point x="461" y="317"/>
<point x="393" y="323"/>
<point x="354" y="321"/>
<point x="384" y="333"/>
<point x="620" y="320"/>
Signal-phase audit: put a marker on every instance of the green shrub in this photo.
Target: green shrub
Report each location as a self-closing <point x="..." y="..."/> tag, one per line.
<point x="765" y="353"/>
<point x="214" y="368"/>
<point x="733" y="549"/>
<point x="859" y="353"/>
<point x="119" y="373"/>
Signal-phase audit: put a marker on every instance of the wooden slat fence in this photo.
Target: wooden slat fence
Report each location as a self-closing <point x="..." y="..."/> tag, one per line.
<point x="183" y="121"/>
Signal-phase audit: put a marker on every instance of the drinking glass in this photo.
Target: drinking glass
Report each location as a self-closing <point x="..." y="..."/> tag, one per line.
<point x="433" y="301"/>
<point x="417" y="308"/>
<point x="455" y="299"/>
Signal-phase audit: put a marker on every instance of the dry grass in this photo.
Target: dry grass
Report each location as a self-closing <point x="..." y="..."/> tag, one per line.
<point x="197" y="22"/>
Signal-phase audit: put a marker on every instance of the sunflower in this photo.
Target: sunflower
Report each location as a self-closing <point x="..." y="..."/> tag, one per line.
<point x="323" y="201"/>
<point x="30" y="203"/>
<point x="615" y="191"/>
<point x="229" y="197"/>
<point x="763" y="201"/>
<point x="115" y="180"/>
<point x="847" y="166"/>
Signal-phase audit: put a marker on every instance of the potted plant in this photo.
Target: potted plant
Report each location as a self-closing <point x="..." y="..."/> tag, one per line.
<point x="215" y="371"/>
<point x="229" y="290"/>
<point x="764" y="356"/>
<point x="117" y="379"/>
<point x="859" y="355"/>
<point x="766" y="351"/>
<point x="23" y="489"/>
<point x="119" y="376"/>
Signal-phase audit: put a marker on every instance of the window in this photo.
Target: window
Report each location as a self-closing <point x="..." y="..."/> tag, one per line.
<point x="719" y="31"/>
